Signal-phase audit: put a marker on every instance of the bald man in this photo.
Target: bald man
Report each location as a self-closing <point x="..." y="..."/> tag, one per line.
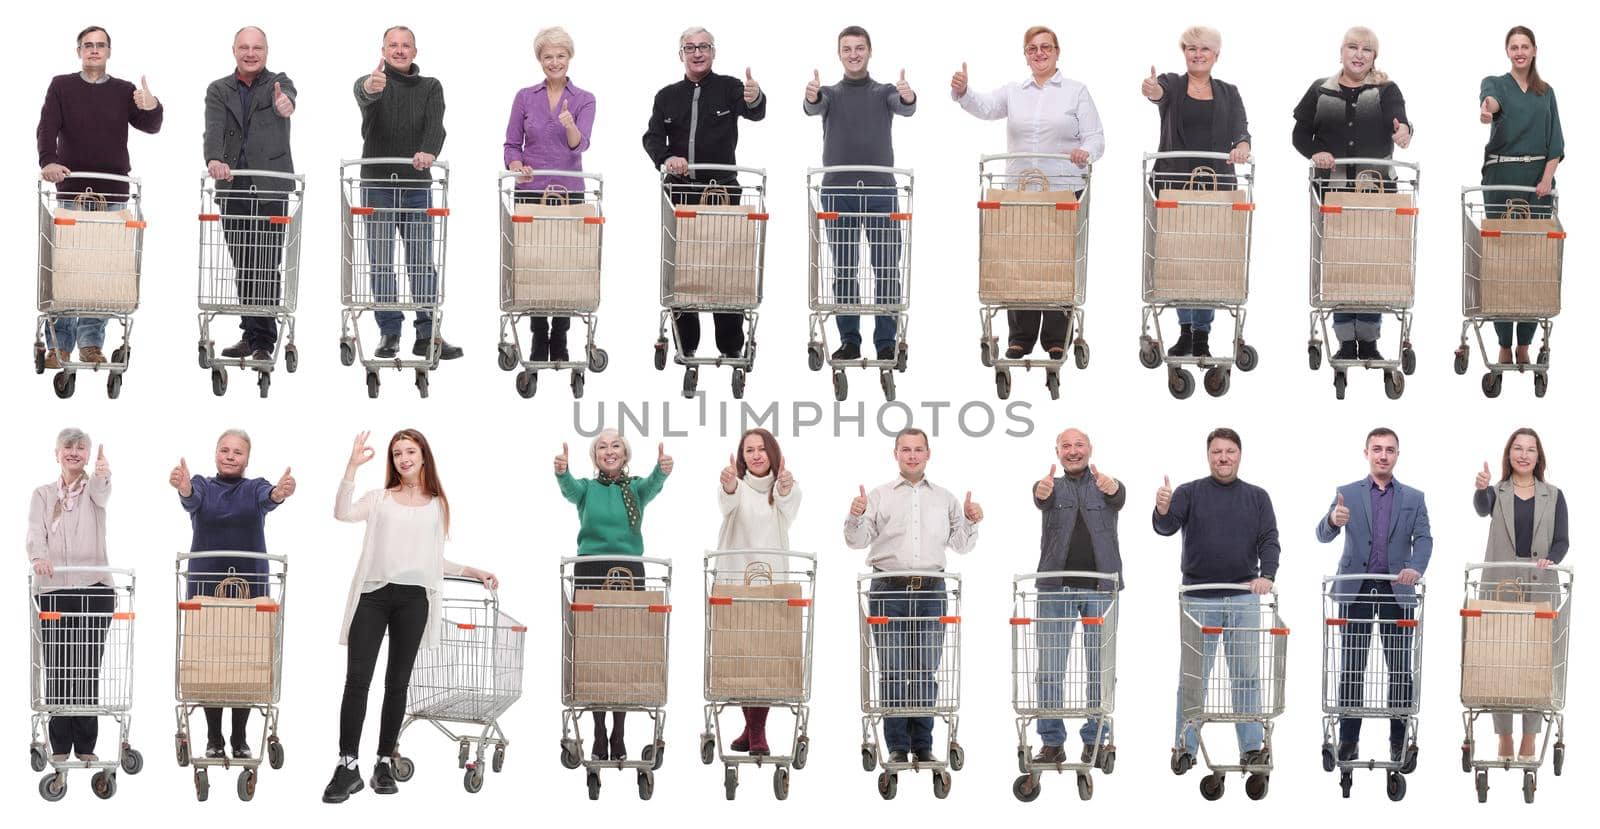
<point x="1078" y="532"/>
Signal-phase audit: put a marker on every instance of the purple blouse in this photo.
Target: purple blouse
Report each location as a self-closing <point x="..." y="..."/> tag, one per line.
<point x="536" y="138"/>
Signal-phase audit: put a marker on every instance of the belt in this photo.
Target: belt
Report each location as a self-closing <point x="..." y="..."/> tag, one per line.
<point x="909" y="582"/>
<point x="1512" y="159"/>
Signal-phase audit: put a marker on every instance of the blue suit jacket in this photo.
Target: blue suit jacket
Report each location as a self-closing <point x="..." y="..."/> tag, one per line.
<point x="1410" y="543"/>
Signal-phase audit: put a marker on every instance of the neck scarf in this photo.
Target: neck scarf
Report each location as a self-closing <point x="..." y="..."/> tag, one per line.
<point x="66" y="500"/>
<point x="630" y="501"/>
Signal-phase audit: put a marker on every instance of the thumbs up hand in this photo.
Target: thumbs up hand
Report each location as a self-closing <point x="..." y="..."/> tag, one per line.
<point x="102" y="467"/>
<point x="1340" y="515"/>
<point x="1488" y="109"/>
<point x="1151" y="86"/>
<point x="1046" y="485"/>
<point x="663" y="460"/>
<point x="814" y="89"/>
<point x="1483" y="477"/>
<point x="958" y="82"/>
<point x="752" y="90"/>
<point x="281" y="102"/>
<point x="906" y="95"/>
<point x="180" y="479"/>
<point x="285" y="487"/>
<point x="1164" y="496"/>
<point x="1105" y="483"/>
<point x="730" y="475"/>
<point x="143" y="98"/>
<point x="565" y="117"/>
<point x="561" y="460"/>
<point x="377" y="81"/>
<point x="971" y="510"/>
<point x="858" y="504"/>
<point x="785" y="480"/>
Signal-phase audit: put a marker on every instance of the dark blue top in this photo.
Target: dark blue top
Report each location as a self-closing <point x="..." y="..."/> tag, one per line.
<point x="228" y="514"/>
<point x="1230" y="534"/>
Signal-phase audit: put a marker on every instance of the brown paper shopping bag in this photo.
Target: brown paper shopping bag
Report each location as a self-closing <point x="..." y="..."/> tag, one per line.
<point x="1507" y="657"/>
<point x="229" y="646"/>
<point x="1367" y="244"/>
<point x="619" y="644"/>
<point x="716" y="252"/>
<point x="94" y="258"/>
<point x="1520" y="272"/>
<point x="1202" y="242"/>
<point x="1028" y="244"/>
<point x="757" y="648"/>
<point x="555" y="255"/>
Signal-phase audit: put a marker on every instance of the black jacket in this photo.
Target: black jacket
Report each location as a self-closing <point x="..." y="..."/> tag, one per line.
<point x="1348" y="123"/>
<point x="1228" y="126"/>
<point x="700" y="121"/>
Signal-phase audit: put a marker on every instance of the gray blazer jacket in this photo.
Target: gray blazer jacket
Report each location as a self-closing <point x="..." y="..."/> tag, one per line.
<point x="1410" y="539"/>
<point x="268" y="145"/>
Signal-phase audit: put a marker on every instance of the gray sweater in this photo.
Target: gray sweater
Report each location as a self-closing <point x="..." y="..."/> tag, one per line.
<point x="406" y="118"/>
<point x="857" y="118"/>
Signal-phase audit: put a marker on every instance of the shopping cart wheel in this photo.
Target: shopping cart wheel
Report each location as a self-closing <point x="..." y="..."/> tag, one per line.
<point x="780" y="783"/>
<point x="1346" y="780"/>
<point x="422" y="383"/>
<point x="869" y="758"/>
<point x="1052" y="383"/>
<point x="569" y="756"/>
<point x="1541" y="384"/>
<point x="472" y="780"/>
<point x="593" y="779"/>
<point x="202" y="785"/>
<point x="347" y="352"/>
<point x="1529" y="786"/>
<point x="1462" y="355"/>
<point x="886" y="380"/>
<point x="841" y="386"/>
<point x="1107" y="760"/>
<point x="900" y="357"/>
<point x="1002" y="384"/>
<point x="1080" y="354"/>
<point x="1408" y="360"/>
<point x="104" y="784"/>
<point x="941" y="784"/>
<point x="1340" y="380"/>
<point x="372" y="384"/>
<point x="577" y="384"/>
<point x="1543" y="357"/>
<point x="275" y="753"/>
<point x="264" y="381"/>
<point x="598" y="360"/>
<point x="463" y="751"/>
<point x="245" y="785"/>
<point x="507" y="356"/>
<point x="119" y="355"/>
<point x="958" y="756"/>
<point x="1211" y="786"/>
<point x="802" y="750"/>
<point x="730" y="782"/>
<point x="1556" y="759"/>
<point x="656" y="754"/>
<point x="38" y="358"/>
<point x="181" y="744"/>
<point x="499" y="761"/>
<point x="1327" y="757"/>
<point x="132" y="760"/>
<point x="291" y="358"/>
<point x="1217" y="381"/>
<point x="986" y="347"/>
<point x="528" y="386"/>
<point x="1397" y="786"/>
<point x="1394" y="384"/>
<point x="53" y="786"/>
<point x="404" y="768"/>
<point x="203" y="353"/>
<point x="1245" y="356"/>
<point x="814" y="356"/>
<point x="1182" y="761"/>
<point x="219" y="381"/>
<point x="1255" y="786"/>
<point x="1180" y="383"/>
<point x="1466" y="757"/>
<point x="888" y="784"/>
<point x="1085" y="786"/>
<point x="1491" y="384"/>
<point x="1314" y="355"/>
<point x="65" y="384"/>
<point x="661" y="354"/>
<point x="691" y="380"/>
<point x="1481" y="783"/>
<point x="738" y="384"/>
<point x="647" y="784"/>
<point x="1149" y="353"/>
<point x="1408" y="759"/>
<point x="1026" y="787"/>
<point x="114" y="385"/>
<point x="36" y="757"/>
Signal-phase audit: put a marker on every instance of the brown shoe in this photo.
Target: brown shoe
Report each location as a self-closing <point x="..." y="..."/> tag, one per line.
<point x="91" y="354"/>
<point x="54" y="357"/>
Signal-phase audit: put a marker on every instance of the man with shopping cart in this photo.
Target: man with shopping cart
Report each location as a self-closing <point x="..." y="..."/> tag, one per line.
<point x="1230" y="536"/>
<point x="83" y="128"/>
<point x="1385" y="526"/>
<point x="247" y="128"/>
<point x="907" y="524"/>
<point x="696" y="121"/>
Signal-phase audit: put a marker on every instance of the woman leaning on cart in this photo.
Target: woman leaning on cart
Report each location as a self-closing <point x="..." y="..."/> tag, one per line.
<point x="1525" y="145"/>
<point x="228" y="513"/>
<point x="1201" y="114"/>
<point x="1527" y="522"/>
<point x="1048" y="113"/>
<point x="759" y="500"/>
<point x="67" y="528"/>
<point x="1358" y="113"/>
<point x="610" y="514"/>
<point x="549" y="130"/>
<point x="395" y="589"/>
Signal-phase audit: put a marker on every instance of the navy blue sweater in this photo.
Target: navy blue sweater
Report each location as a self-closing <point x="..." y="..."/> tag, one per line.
<point x="1230" y="534"/>
<point x="228" y="514"/>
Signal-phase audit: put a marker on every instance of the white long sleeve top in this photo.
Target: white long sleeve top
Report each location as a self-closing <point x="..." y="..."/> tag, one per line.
<point x="750" y="523"/>
<point x="1058" y="117"/>
<point x="908" y="526"/>
<point x="402" y="545"/>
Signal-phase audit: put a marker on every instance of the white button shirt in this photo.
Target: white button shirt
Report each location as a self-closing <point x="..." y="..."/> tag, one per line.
<point x="908" y="526"/>
<point x="1058" y="117"/>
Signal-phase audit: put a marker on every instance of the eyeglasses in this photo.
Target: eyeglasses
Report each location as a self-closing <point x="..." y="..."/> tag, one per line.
<point x="692" y="48"/>
<point x="102" y="45"/>
<point x="1041" y="49"/>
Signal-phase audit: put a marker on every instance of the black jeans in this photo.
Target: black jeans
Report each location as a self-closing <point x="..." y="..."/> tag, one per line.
<point x="1025" y="329"/>
<point x="595" y="575"/>
<point x="256" y="247"/>
<point x="241" y="721"/>
<point x="72" y="647"/>
<point x="1377" y="602"/>
<point x="402" y="611"/>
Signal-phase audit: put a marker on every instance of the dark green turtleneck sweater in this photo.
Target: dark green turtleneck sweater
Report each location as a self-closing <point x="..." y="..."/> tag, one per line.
<point x="406" y="118"/>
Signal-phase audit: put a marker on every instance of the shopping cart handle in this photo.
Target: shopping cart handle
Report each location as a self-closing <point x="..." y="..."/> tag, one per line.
<point x="404" y="160"/>
<point x="240" y="554"/>
<point x="78" y="568"/>
<point x="1476" y="565"/>
<point x="758" y="551"/>
<point x="1245" y="587"/>
<point x="1360" y="577"/>
<point x="252" y="173"/>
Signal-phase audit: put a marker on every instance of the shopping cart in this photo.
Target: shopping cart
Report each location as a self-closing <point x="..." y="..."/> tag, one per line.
<point x="759" y="616"/>
<point x="1512" y="254"/>
<point x="1196" y="255"/>
<point x="1371" y="674"/>
<point x="550" y="245"/>
<point x="1033" y="255"/>
<point x="82" y="657"/>
<point x="371" y="276"/>
<point x="1363" y="260"/>
<point x="1064" y="667"/>
<point x="1515" y="624"/>
<point x="713" y="255"/>
<point x="471" y="678"/>
<point x="615" y="633"/>
<point x="843" y="217"/>
<point x="1235" y="650"/>
<point x="910" y="668"/>
<point x="229" y="655"/>
<point x="250" y="266"/>
<point x="91" y="254"/>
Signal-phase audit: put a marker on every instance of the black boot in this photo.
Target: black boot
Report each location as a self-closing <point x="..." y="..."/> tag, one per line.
<point x="601" y="750"/>
<point x="619" y="747"/>
<point x="1368" y="350"/>
<point x="1202" y="344"/>
<point x="558" y="346"/>
<point x="388" y="346"/>
<point x="1185" y="344"/>
<point x="1347" y="350"/>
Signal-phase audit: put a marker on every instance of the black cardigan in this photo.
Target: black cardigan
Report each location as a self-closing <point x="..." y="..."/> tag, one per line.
<point x="1335" y="119"/>
<point x="1228" y="122"/>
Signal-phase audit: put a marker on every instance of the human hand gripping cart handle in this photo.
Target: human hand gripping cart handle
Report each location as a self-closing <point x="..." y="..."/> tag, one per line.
<point x="1196" y="260"/>
<point x="1233" y="662"/>
<point x="713" y="255"/>
<point x="1513" y="248"/>
<point x="550" y="253"/>
<point x="1516" y="625"/>
<point x="1363" y="262"/>
<point x="615" y="636"/>
<point x="758" y="647"/>
<point x="81" y="655"/>
<point x="91" y="256"/>
<point x="391" y="261"/>
<point x="851" y="206"/>
<point x="910" y="636"/>
<point x="1371" y="670"/>
<point x="229" y="654"/>
<point x="1033" y="256"/>
<point x="1064" y="667"/>
<point x="250" y="267"/>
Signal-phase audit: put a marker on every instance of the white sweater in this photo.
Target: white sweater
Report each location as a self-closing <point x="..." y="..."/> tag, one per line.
<point x="750" y="523"/>
<point x="402" y="545"/>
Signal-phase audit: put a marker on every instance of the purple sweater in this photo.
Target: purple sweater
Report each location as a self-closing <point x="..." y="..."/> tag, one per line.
<point x="84" y="127"/>
<point x="536" y="138"/>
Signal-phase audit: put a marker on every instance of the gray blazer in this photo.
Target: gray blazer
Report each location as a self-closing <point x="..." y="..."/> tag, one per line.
<point x="1410" y="539"/>
<point x="1502" y="543"/>
<point x="268" y="145"/>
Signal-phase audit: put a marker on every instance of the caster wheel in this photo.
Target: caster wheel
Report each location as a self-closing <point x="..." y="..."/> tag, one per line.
<point x="527" y="383"/>
<point x="802" y="750"/>
<point x="1394" y="384"/>
<point x="780" y="783"/>
<point x="1558" y="757"/>
<point x="1541" y="384"/>
<point x="1544" y="357"/>
<point x="941" y="784"/>
<point x="841" y="386"/>
<point x="647" y="784"/>
<point x="372" y="384"/>
<point x="1255" y="786"/>
<point x="347" y="352"/>
<point x="900" y="358"/>
<point x="1529" y="786"/>
<point x="202" y="785"/>
<point x="1340" y="380"/>
<point x="708" y="749"/>
<point x="1211" y="786"/>
<point x="577" y="384"/>
<point x="463" y="752"/>
<point x="593" y="779"/>
<point x="1461" y="360"/>
<point x="1149" y="353"/>
<point x="1245" y="356"/>
<point x="507" y="357"/>
<point x="1085" y="787"/>
<point x="291" y="358"/>
<point x="472" y="780"/>
<point x="1408" y="361"/>
<point x="869" y="759"/>
<point x="404" y="769"/>
<point x="730" y="782"/>
<point x="203" y="354"/>
<point x="53" y="787"/>
<point x="1314" y="355"/>
<point x="1080" y="354"/>
<point x="422" y="384"/>
<point x="886" y="380"/>
<point x="1466" y="758"/>
<point x="1397" y="786"/>
<point x="114" y="386"/>
<point x="1217" y="381"/>
<point x="104" y="784"/>
<point x="570" y="758"/>
<point x="659" y="757"/>
<point x="1026" y="788"/>
<point x="888" y="785"/>
<point x="598" y="360"/>
<point x="814" y="356"/>
<point x="182" y="751"/>
<point x="65" y="384"/>
<point x="245" y="785"/>
<point x="1182" y="761"/>
<point x="1108" y="760"/>
<point x="1327" y="757"/>
<point x="1180" y="383"/>
<point x="132" y="761"/>
<point x="1346" y="780"/>
<point x="1490" y="385"/>
<point x="36" y="758"/>
<point x="986" y="348"/>
<point x="275" y="754"/>
<point x="219" y="381"/>
<point x="1002" y="384"/>
<point x="661" y="354"/>
<point x="1408" y="762"/>
<point x="1481" y="783"/>
<point x="691" y="380"/>
<point x="958" y="757"/>
<point x="738" y="384"/>
<point x="1052" y="384"/>
<point x="648" y="754"/>
<point x="38" y="358"/>
<point x="264" y="382"/>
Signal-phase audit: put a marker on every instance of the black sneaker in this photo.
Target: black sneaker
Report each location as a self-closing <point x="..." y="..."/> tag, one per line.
<point x="1368" y="350"/>
<point x="848" y="351"/>
<point x="446" y="350"/>
<point x="923" y="755"/>
<point x="1051" y="755"/>
<point x="1347" y="350"/>
<point x="897" y="757"/>
<point x="886" y="352"/>
<point x="346" y="781"/>
<point x="388" y="346"/>
<point x="241" y="751"/>
<point x="1349" y="750"/>
<point x="216" y="752"/>
<point x="383" y="779"/>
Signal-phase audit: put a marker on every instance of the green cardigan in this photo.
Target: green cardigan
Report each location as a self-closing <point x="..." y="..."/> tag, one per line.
<point x="602" y="519"/>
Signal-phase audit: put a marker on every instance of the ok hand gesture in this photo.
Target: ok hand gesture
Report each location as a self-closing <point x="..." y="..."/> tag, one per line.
<point x="360" y="453"/>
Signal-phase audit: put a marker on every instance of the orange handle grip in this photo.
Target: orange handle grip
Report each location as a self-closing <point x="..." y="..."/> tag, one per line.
<point x="1021" y="620"/>
<point x="722" y="601"/>
<point x="594" y="220"/>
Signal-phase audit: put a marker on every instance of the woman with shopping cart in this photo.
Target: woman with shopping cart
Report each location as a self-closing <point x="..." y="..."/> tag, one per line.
<point x="395" y="591"/>
<point x="1356" y="114"/>
<point x="1527" y="523"/>
<point x="610" y="517"/>
<point x="228" y="512"/>
<point x="1049" y="114"/>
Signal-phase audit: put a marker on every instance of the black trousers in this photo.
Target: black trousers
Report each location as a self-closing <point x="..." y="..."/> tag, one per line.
<point x="401" y="610"/>
<point x="1377" y="602"/>
<point x="1025" y="329"/>
<point x="241" y="721"/>
<point x="72" y="647"/>
<point x="729" y="326"/>
<point x="596" y="575"/>
<point x="256" y="246"/>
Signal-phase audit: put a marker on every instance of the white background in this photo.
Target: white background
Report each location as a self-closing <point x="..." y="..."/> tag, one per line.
<point x="494" y="449"/>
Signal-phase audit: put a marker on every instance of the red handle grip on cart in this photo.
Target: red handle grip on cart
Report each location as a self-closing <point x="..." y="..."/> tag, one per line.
<point x="799" y="602"/>
<point x="362" y="211"/>
<point x="210" y="217"/>
<point x="1019" y="621"/>
<point x="722" y="601"/>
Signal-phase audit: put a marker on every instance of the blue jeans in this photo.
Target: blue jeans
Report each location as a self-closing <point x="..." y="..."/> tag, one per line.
<point x="1198" y="319"/>
<point x="415" y="228"/>
<point x="1348" y="326"/>
<point x="908" y="658"/>
<point x="1239" y="616"/>
<point x="1058" y="613"/>
<point x="883" y="244"/>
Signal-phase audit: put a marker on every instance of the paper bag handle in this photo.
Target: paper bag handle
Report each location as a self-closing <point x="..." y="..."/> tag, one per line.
<point x="555" y="194"/>
<point x="1368" y="181"/>
<point x="618" y="578"/>
<point x="758" y="571"/>
<point x="715" y="195"/>
<point x="1518" y="209"/>
<point x="1033" y="176"/>
<point x="1199" y="173"/>
<point x="1508" y="585"/>
<point x="232" y="587"/>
